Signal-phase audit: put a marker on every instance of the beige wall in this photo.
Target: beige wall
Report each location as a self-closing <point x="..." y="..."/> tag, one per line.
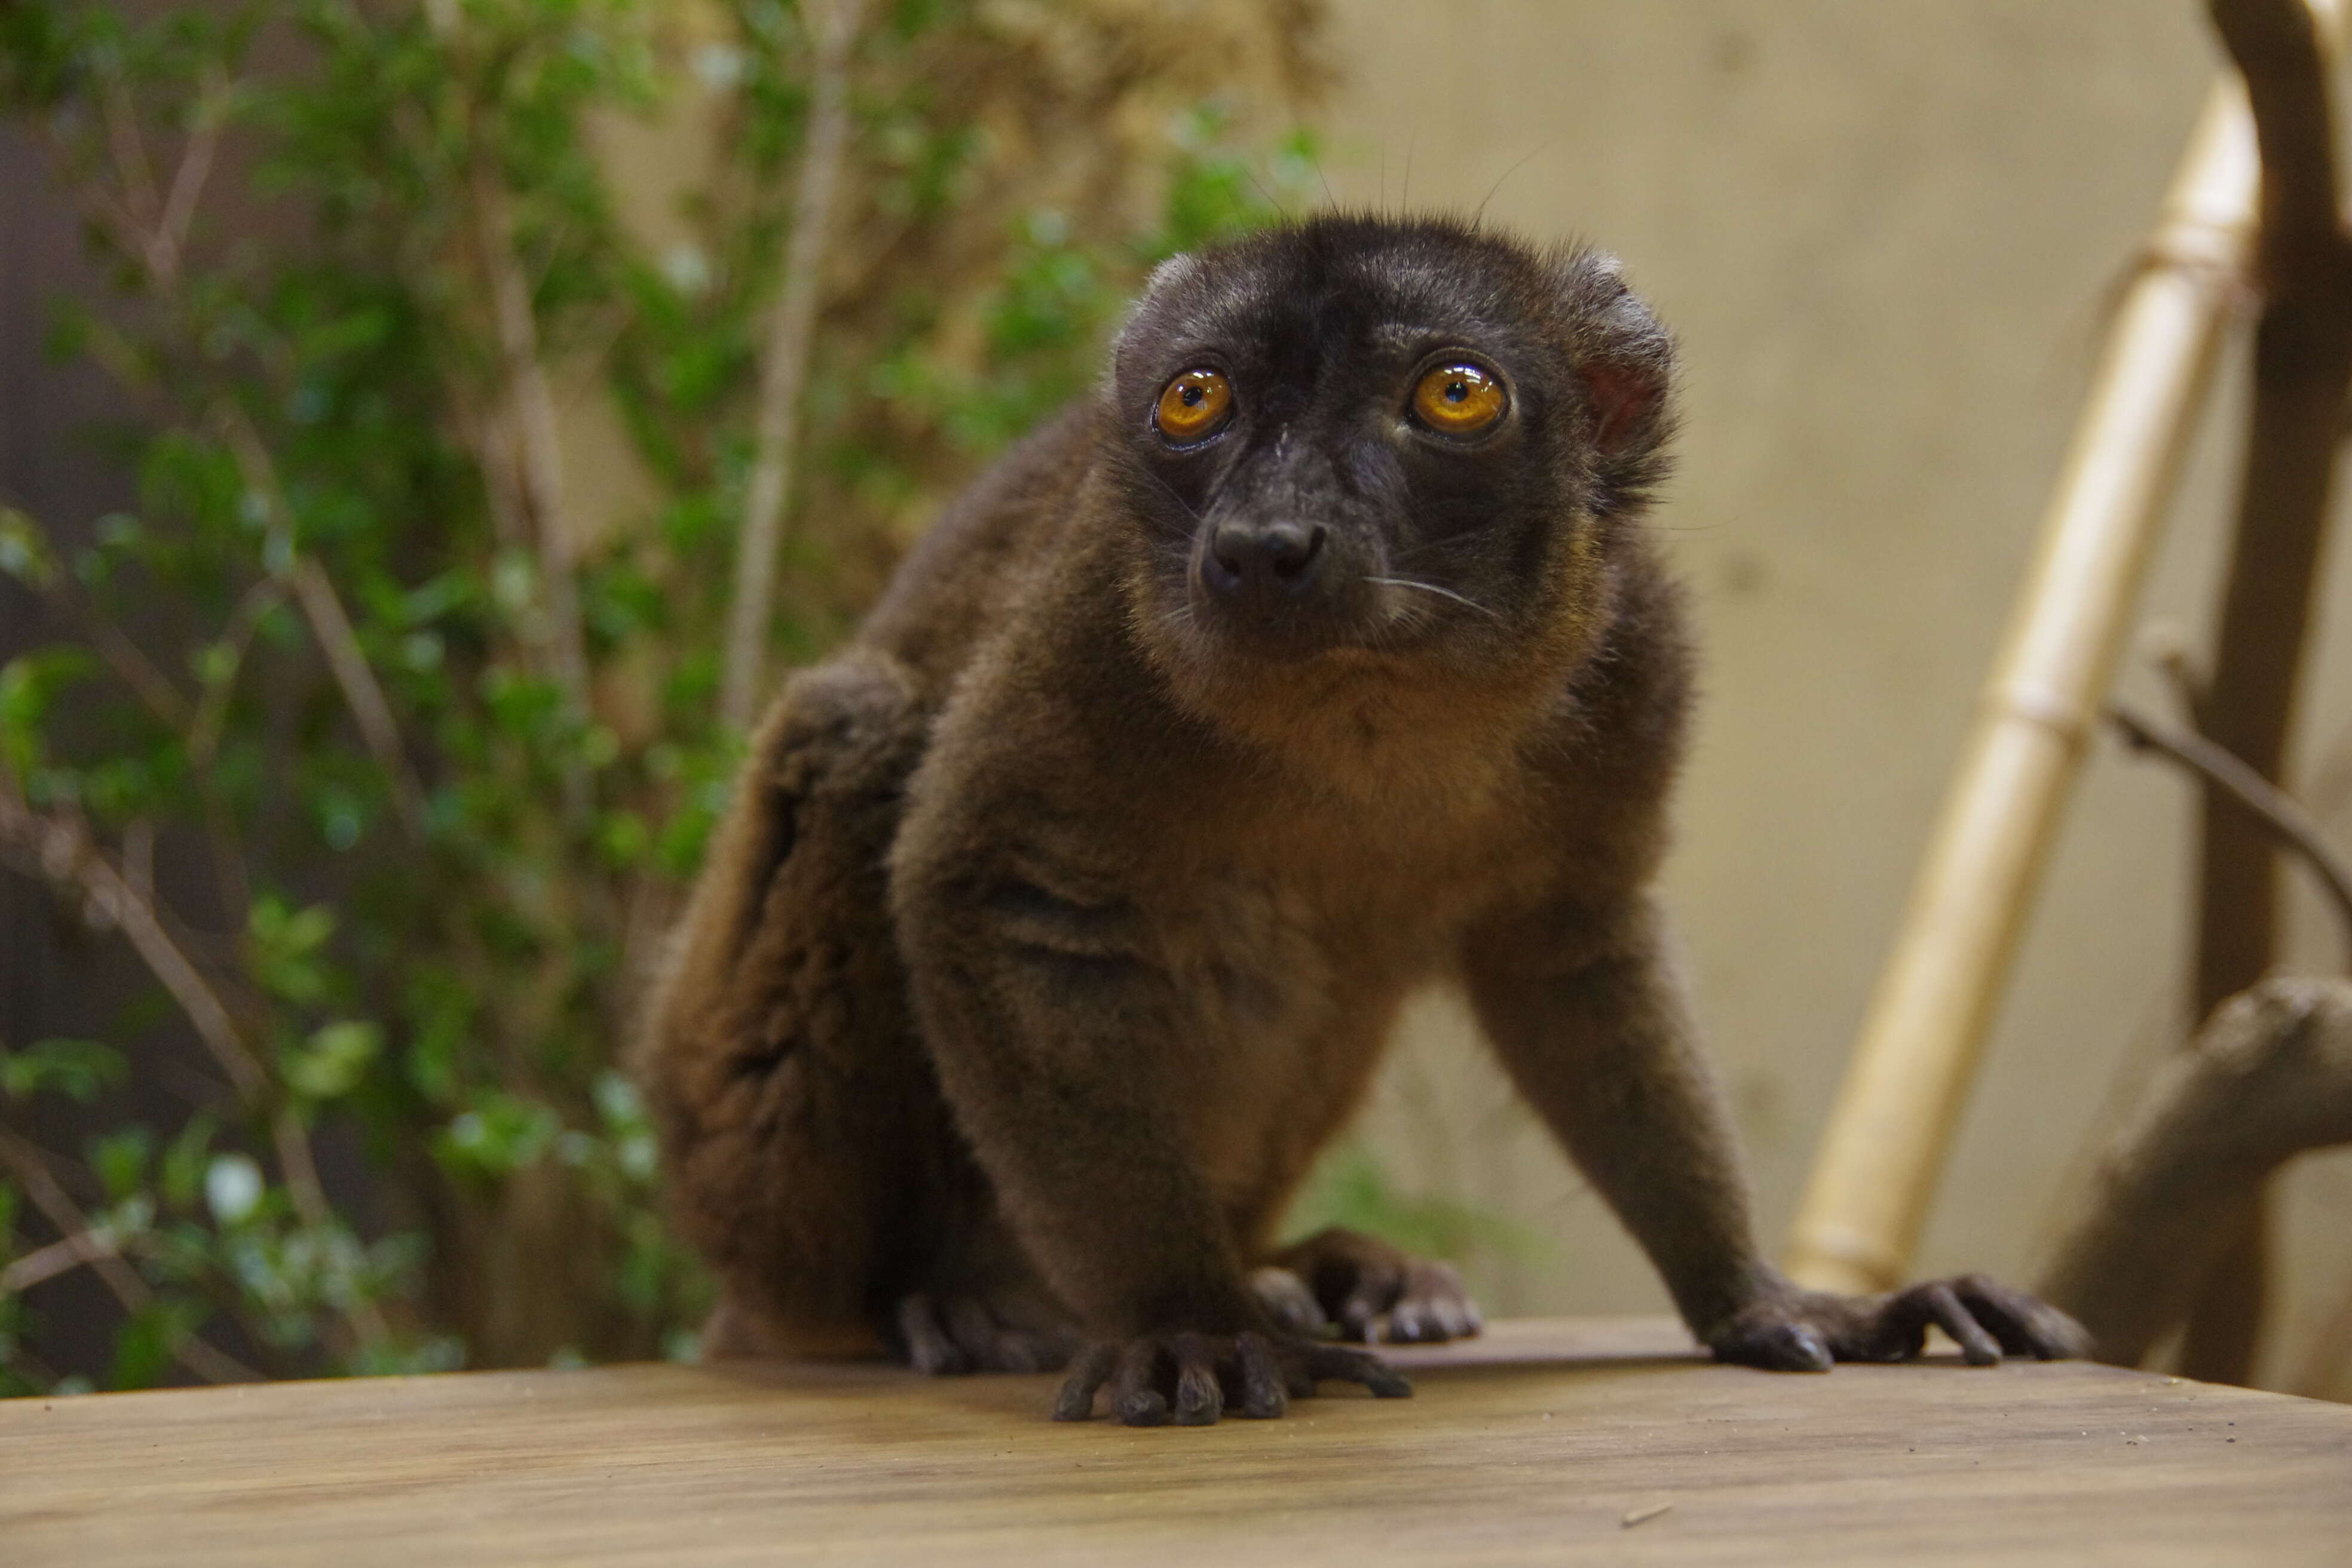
<point x="1885" y="235"/>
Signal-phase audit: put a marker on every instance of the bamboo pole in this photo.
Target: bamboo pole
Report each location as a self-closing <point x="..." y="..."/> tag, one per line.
<point x="1925" y="1026"/>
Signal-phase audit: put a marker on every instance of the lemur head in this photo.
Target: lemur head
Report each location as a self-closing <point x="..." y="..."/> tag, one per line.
<point x="1412" y="439"/>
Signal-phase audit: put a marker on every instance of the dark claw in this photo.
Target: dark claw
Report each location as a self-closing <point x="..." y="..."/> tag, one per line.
<point x="1357" y="1366"/>
<point x="1088" y="1373"/>
<point x="1788" y="1330"/>
<point x="1777" y="1346"/>
<point x="1188" y="1377"/>
<point x="1199" y="1400"/>
<point x="2023" y="1324"/>
<point x="1137" y="1403"/>
<point x="1264" y="1396"/>
<point x="1943" y="1307"/>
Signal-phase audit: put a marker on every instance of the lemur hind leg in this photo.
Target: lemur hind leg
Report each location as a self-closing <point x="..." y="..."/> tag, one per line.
<point x="810" y="1157"/>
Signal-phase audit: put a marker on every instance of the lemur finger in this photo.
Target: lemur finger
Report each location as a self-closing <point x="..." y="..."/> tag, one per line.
<point x="1264" y="1396"/>
<point x="1199" y="1400"/>
<point x="2024" y="1324"/>
<point x="1132" y="1397"/>
<point x="930" y="1351"/>
<point x="1288" y="1301"/>
<point x="1943" y="1307"/>
<point x="1076" y="1400"/>
<point x="1343" y="1365"/>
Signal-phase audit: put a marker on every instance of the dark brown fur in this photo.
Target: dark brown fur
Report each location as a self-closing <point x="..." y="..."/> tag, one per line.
<point x="1058" y="923"/>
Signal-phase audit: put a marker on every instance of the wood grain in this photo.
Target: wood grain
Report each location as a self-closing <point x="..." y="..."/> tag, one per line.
<point x="1534" y="1445"/>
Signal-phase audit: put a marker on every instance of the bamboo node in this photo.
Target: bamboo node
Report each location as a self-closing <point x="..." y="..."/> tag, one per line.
<point x="2041" y="706"/>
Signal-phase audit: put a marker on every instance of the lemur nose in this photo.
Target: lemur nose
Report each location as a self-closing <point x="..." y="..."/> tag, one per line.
<point x="1262" y="559"/>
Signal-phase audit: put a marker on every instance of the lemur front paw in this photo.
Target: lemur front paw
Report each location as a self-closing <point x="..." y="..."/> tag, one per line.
<point x="1788" y="1330"/>
<point x="1192" y="1378"/>
<point x="1356" y="1280"/>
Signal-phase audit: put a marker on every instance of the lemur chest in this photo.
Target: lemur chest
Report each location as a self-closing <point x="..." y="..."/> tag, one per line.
<point x="1289" y="957"/>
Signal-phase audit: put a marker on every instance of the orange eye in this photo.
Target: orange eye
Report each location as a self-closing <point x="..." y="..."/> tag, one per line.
<point x="1458" y="399"/>
<point x="1193" y="404"/>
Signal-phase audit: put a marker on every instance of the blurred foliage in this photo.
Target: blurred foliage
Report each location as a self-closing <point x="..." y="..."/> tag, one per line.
<point x="303" y="735"/>
<point x="1351" y="1187"/>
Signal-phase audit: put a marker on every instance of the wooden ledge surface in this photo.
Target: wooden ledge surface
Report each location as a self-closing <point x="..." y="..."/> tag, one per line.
<point x="1546" y="1441"/>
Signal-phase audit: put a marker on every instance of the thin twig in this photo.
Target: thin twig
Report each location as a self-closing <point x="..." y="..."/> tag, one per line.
<point x="158" y="250"/>
<point x="131" y="664"/>
<point x="128" y="149"/>
<point x="58" y="1258"/>
<point x="32" y="1173"/>
<point x="63" y="850"/>
<point x="66" y="855"/>
<point x="2278" y="811"/>
<point x="783" y="370"/>
<point x="330" y="626"/>
<point x="538" y="448"/>
<point x="171" y="234"/>
<point x="362" y="693"/>
<point x="204" y="731"/>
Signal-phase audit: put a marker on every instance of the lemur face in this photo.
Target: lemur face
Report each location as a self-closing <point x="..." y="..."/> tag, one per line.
<point x="1411" y="439"/>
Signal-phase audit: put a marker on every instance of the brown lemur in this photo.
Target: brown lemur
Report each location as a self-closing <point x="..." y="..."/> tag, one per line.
<point x="1318" y="654"/>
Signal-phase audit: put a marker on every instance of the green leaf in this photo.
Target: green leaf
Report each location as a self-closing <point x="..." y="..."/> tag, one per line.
<point x="500" y="1133"/>
<point x="78" y="1070"/>
<point x="334" y="1060"/>
<point x="143" y="1345"/>
<point x="284" y="943"/>
<point x="184" y="1159"/>
<point x="25" y="553"/>
<point x="121" y="1158"/>
<point x="29" y="685"/>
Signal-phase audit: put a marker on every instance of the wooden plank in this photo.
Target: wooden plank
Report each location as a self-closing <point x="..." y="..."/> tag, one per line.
<point x="1534" y="1445"/>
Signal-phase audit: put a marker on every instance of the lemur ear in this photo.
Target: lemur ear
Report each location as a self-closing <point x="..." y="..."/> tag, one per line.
<point x="1621" y="398"/>
<point x="1624" y="359"/>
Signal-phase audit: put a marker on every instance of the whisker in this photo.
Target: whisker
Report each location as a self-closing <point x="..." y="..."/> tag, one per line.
<point x="1433" y="588"/>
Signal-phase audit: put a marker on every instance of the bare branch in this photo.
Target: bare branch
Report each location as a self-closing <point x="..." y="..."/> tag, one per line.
<point x="204" y="731"/>
<point x="128" y="149"/>
<point x="2277" y="811"/>
<point x="67" y="857"/>
<point x="537" y="451"/>
<point x="783" y="370"/>
<point x="323" y="608"/>
<point x="169" y="242"/>
<point x="136" y="670"/>
<point x="2268" y="1077"/>
<point x="158" y="249"/>
<point x="32" y="1173"/>
<point x="58" y="1258"/>
<point x="130" y="665"/>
